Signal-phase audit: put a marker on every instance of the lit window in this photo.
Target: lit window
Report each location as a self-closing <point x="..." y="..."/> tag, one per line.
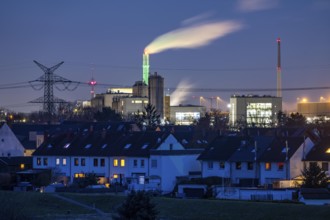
<point x="79" y="175"/>
<point x="67" y="145"/>
<point x="328" y="151"/>
<point x="115" y="162"/>
<point x="115" y="176"/>
<point x="127" y="146"/>
<point x="238" y="165"/>
<point x="102" y="162"/>
<point x="57" y="161"/>
<point x="76" y="161"/>
<point x="280" y="166"/>
<point x="210" y="165"/>
<point x="22" y="166"/>
<point x="153" y="163"/>
<point x="122" y="162"/>
<point x="38" y="161"/>
<point x="268" y="166"/>
<point x="64" y="162"/>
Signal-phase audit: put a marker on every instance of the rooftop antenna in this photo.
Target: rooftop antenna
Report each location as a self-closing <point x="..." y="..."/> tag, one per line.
<point x="92" y="83"/>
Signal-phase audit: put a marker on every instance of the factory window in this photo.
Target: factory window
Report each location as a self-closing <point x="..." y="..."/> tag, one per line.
<point x="210" y="165"/>
<point x="45" y="161"/>
<point x="83" y="162"/>
<point x="95" y="162"/>
<point x="222" y="165"/>
<point x="64" y="162"/>
<point x="268" y="166"/>
<point x="38" y="161"/>
<point x="325" y="166"/>
<point x="102" y="162"/>
<point x="57" y="161"/>
<point x="153" y="163"/>
<point x="138" y="101"/>
<point x="115" y="162"/>
<point x="280" y="166"/>
<point x="135" y="162"/>
<point x="250" y="165"/>
<point x="122" y="162"/>
<point x="76" y="162"/>
<point x="238" y="165"/>
<point x="142" y="163"/>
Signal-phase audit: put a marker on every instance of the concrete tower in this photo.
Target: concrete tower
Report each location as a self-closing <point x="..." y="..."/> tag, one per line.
<point x="279" y="80"/>
<point x="156" y="93"/>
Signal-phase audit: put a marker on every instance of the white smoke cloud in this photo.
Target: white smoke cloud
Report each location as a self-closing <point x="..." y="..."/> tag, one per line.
<point x="256" y="5"/>
<point x="181" y="94"/>
<point x="193" y="36"/>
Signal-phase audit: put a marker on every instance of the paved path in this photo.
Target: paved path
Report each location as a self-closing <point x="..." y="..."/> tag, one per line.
<point x="100" y="212"/>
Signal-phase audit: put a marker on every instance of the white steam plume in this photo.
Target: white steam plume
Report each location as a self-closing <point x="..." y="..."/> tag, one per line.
<point x="256" y="5"/>
<point x="181" y="93"/>
<point x="193" y="36"/>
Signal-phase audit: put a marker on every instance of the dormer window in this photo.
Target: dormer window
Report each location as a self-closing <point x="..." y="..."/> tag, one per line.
<point x="88" y="146"/>
<point x="127" y="146"/>
<point x="67" y="145"/>
<point x="144" y="146"/>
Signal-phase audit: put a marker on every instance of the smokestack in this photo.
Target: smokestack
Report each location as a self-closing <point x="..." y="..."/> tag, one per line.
<point x="145" y="67"/>
<point x="279" y="81"/>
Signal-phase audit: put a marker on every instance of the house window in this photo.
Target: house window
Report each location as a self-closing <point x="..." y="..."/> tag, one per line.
<point x="79" y="175"/>
<point x="38" y="161"/>
<point x="222" y="165"/>
<point x="250" y="165"/>
<point x="122" y="162"/>
<point x="135" y="163"/>
<point x="142" y="163"/>
<point x="325" y="166"/>
<point x="102" y="162"/>
<point x="64" y="162"/>
<point x="57" y="161"/>
<point x="238" y="165"/>
<point x="210" y="165"/>
<point x="45" y="161"/>
<point x="153" y="163"/>
<point x="83" y="162"/>
<point x="22" y="166"/>
<point x="268" y="166"/>
<point x="280" y="166"/>
<point x="76" y="162"/>
<point x="115" y="162"/>
<point x="95" y="162"/>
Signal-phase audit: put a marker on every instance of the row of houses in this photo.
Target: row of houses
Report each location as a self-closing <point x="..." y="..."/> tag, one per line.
<point x="158" y="159"/>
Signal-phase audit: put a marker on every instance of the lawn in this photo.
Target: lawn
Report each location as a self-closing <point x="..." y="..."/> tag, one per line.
<point x="170" y="208"/>
<point x="21" y="205"/>
<point x="17" y="205"/>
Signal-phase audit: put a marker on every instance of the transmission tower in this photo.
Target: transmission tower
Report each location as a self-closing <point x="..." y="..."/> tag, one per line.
<point x="49" y="80"/>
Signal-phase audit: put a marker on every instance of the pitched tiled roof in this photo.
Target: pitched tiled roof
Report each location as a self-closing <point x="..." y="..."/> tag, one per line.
<point x="320" y="152"/>
<point x="221" y="149"/>
<point x="276" y="152"/>
<point x="252" y="149"/>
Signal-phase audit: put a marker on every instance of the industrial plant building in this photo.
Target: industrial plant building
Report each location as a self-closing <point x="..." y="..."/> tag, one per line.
<point x="186" y="114"/>
<point x="156" y="92"/>
<point x="254" y="111"/>
<point x="313" y="110"/>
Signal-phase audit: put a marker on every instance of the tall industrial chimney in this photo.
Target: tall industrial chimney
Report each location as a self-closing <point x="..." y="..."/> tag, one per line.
<point x="279" y="81"/>
<point x="145" y="67"/>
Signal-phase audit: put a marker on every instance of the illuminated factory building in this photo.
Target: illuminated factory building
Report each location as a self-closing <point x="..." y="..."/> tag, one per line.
<point x="254" y="111"/>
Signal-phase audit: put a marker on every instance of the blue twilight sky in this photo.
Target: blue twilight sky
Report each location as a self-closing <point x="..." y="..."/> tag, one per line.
<point x="106" y="39"/>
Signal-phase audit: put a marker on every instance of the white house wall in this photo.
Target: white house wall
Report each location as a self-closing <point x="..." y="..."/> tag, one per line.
<point x="242" y="173"/>
<point x="9" y="144"/>
<point x="170" y="142"/>
<point x="216" y="170"/>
